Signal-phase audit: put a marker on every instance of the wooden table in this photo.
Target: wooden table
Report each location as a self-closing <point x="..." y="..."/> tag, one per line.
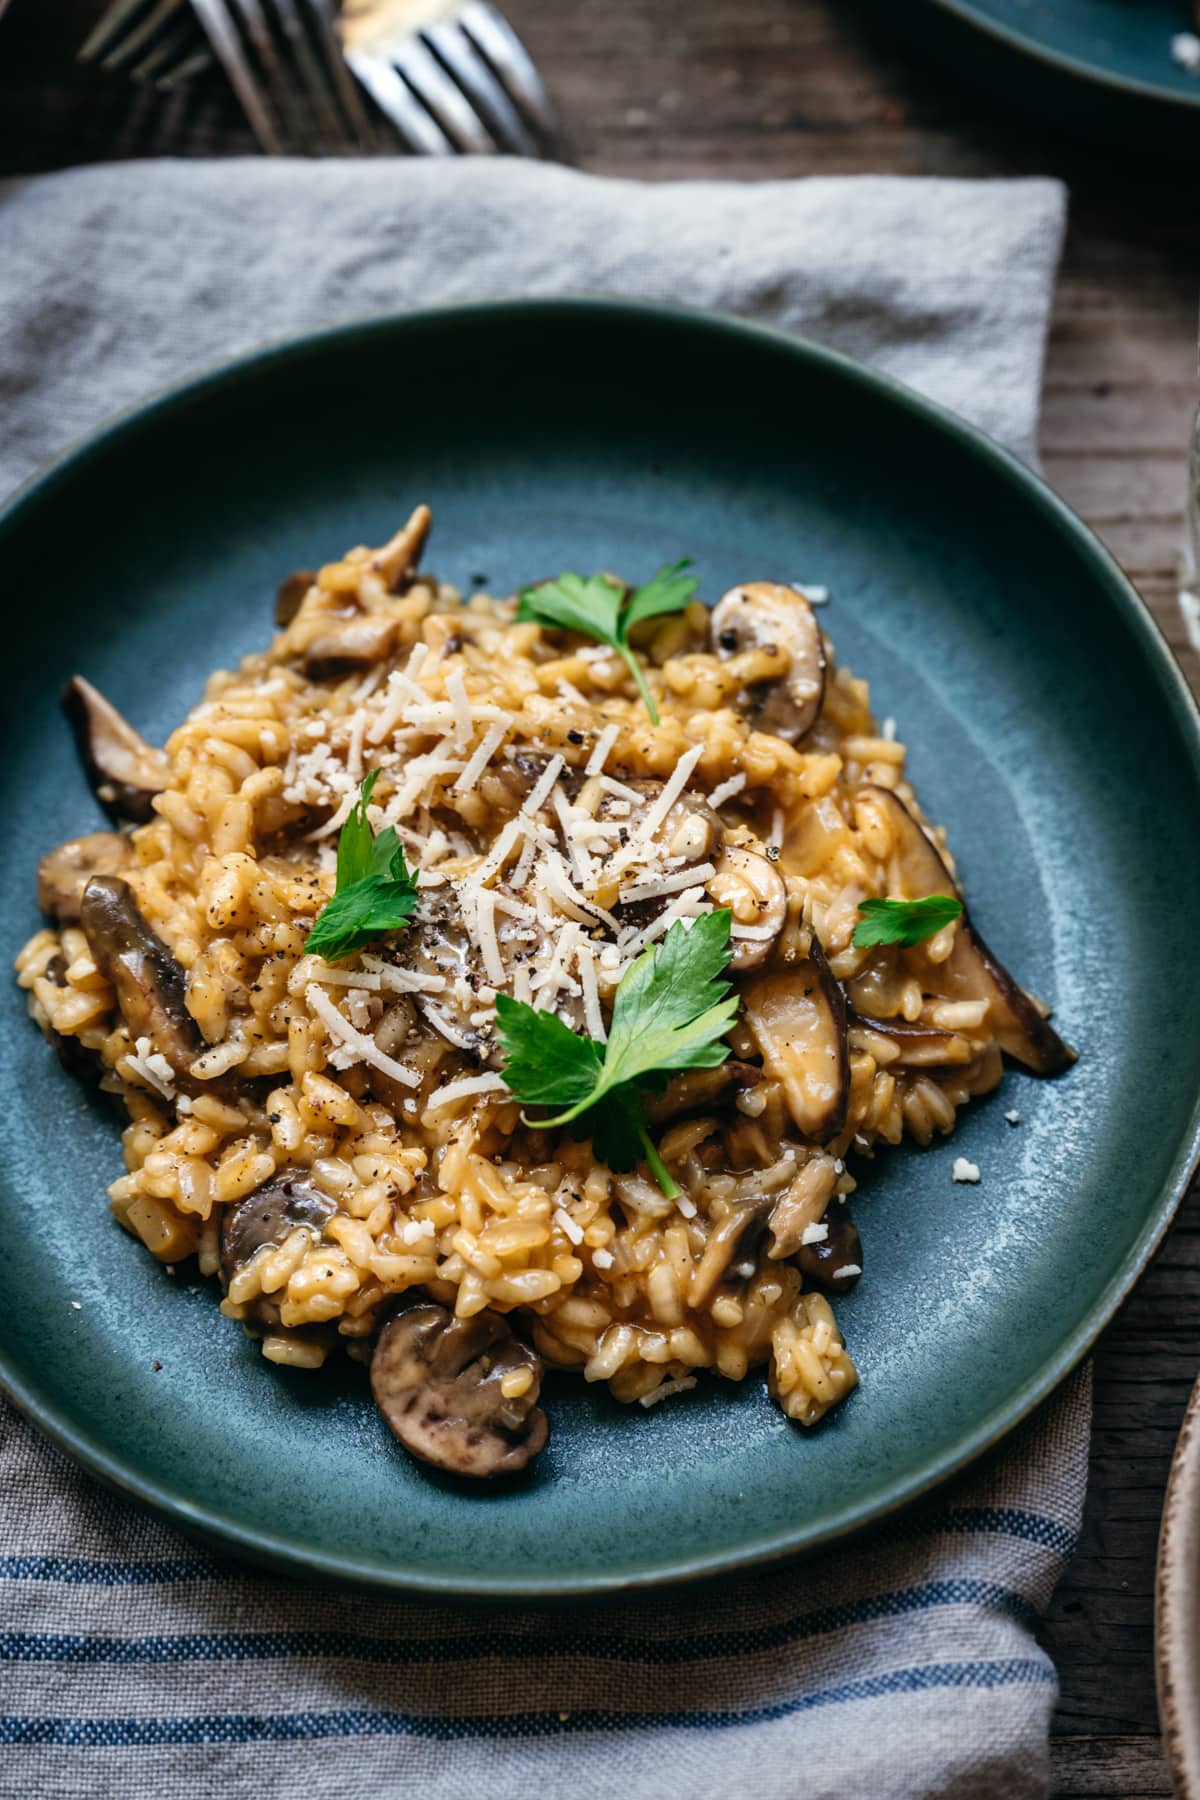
<point x="751" y="88"/>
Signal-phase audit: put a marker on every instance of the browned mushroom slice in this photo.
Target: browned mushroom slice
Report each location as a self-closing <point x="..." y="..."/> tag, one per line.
<point x="797" y="1017"/>
<point x="125" y="771"/>
<point x="63" y="873"/>
<point x="766" y="615"/>
<point x="699" y="1090"/>
<point x="349" y="645"/>
<point x="970" y="972"/>
<point x="397" y="562"/>
<point x="440" y="1381"/>
<point x="269" y="1216"/>
<point x="289" y="595"/>
<point x="801" y="1205"/>
<point x="733" y="1238"/>
<point x="754" y="891"/>
<point x="918" y="1046"/>
<point x="148" y="982"/>
<point x="835" y="1261"/>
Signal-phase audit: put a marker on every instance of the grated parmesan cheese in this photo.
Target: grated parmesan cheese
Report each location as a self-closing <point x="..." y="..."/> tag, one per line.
<point x="727" y="790"/>
<point x="964" y="1170"/>
<point x="814" y="1234"/>
<point x="600" y="754"/>
<point x="360" y="1047"/>
<point x="464" y="1089"/>
<point x="563" y="1219"/>
<point x="482" y="756"/>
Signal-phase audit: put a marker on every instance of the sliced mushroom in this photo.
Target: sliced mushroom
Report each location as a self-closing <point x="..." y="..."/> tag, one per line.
<point x="700" y="1090"/>
<point x="802" y="1203"/>
<point x="125" y="771"/>
<point x="835" y="1262"/>
<point x="289" y="595"/>
<point x="797" y="1018"/>
<point x="917" y="1046"/>
<point x="970" y="972"/>
<point x="439" y="1382"/>
<point x="754" y="891"/>
<point x="148" y="982"/>
<point x="398" y="560"/>
<point x="348" y="645"/>
<point x="63" y="873"/>
<point x="269" y="1216"/>
<point x="733" y="1237"/>
<point x="767" y="616"/>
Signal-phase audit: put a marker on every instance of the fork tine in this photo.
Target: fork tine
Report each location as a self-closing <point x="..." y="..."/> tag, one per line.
<point x="227" y="47"/>
<point x="141" y="35"/>
<point x="288" y="110"/>
<point x="396" y="100"/>
<point x="111" y="21"/>
<point x="179" y="39"/>
<point x="442" y="98"/>
<point x="329" y="121"/>
<point x="185" y="70"/>
<point x="344" y="83"/>
<point x="491" y="33"/>
<point x="482" y="87"/>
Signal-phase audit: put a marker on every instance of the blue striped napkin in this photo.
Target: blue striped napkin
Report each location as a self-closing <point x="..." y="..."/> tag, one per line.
<point x="902" y="1664"/>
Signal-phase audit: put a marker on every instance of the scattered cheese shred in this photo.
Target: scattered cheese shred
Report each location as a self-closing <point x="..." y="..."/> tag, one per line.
<point x="465" y="1089"/>
<point x="600" y="754"/>
<point x="364" y="1048"/>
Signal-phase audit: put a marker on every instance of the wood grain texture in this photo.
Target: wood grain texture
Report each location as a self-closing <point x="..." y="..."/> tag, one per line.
<point x="755" y="88"/>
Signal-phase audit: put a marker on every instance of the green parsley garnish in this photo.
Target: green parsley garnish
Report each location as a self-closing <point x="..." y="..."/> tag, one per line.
<point x="375" y="891"/>
<point x="596" y="607"/>
<point x="671" y="1011"/>
<point x="906" y="922"/>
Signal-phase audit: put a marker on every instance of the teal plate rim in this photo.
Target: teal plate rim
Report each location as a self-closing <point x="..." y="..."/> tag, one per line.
<point x="277" y="1549"/>
<point x="1077" y="67"/>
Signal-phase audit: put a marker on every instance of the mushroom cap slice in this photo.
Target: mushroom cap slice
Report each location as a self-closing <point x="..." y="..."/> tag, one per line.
<point x="797" y="1017"/>
<point x="289" y="595"/>
<point x="918" y="1046"/>
<point x="269" y="1216"/>
<point x="148" y="982"/>
<point x="124" y="771"/>
<point x="755" y="893"/>
<point x="970" y="972"/>
<point x="767" y="615"/>
<point x="437" y="1380"/>
<point x="348" y="645"/>
<point x="65" y="871"/>
<point x="836" y="1261"/>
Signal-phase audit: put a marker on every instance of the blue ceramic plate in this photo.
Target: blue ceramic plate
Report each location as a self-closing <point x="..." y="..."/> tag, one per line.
<point x="1048" y="728"/>
<point x="1102" y="65"/>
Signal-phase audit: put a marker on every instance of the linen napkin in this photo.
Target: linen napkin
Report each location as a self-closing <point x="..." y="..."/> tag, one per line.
<point x="903" y="1665"/>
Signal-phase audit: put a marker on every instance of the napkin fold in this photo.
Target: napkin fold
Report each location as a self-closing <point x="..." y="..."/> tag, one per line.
<point x="903" y="1664"/>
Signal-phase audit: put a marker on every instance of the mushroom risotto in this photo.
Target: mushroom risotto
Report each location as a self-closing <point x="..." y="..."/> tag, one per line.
<point x="496" y="983"/>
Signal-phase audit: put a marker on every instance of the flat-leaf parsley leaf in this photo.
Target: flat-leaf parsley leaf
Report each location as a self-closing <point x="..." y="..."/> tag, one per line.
<point x="905" y="922"/>
<point x="671" y="1011"/>
<point x="375" y="890"/>
<point x="596" y="607"/>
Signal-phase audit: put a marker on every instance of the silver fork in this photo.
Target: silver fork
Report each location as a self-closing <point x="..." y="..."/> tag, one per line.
<point x="450" y="79"/>
<point x="262" y="46"/>
<point x="163" y="36"/>
<point x="453" y="79"/>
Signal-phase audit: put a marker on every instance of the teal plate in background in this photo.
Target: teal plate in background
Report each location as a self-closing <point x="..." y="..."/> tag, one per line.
<point x="1102" y="66"/>
<point x="1048" y="728"/>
